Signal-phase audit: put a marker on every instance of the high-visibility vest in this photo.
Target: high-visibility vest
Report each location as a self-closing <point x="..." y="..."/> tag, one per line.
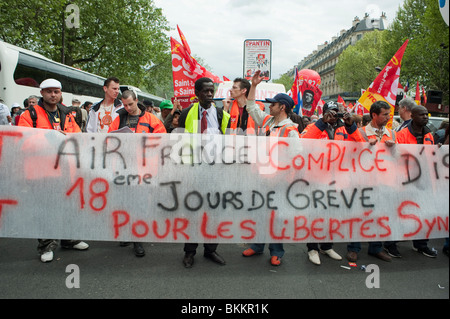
<point x="192" y="119"/>
<point x="384" y="138"/>
<point x="281" y="131"/>
<point x="251" y="128"/>
<point x="147" y="123"/>
<point x="405" y="136"/>
<point x="41" y="119"/>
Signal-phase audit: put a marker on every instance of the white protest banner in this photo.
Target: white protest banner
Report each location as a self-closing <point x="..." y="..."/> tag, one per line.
<point x="214" y="188"/>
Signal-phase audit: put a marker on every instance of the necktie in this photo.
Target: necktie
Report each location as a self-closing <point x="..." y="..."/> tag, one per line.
<point x="204" y="123"/>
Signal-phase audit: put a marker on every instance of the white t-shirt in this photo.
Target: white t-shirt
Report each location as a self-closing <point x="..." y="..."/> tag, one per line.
<point x="105" y="116"/>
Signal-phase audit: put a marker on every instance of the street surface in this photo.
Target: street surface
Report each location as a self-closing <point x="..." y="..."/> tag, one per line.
<point x="108" y="271"/>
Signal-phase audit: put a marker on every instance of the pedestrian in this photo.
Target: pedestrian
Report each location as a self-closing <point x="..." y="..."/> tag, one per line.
<point x="276" y="124"/>
<point x="134" y="116"/>
<point x="331" y="127"/>
<point x="328" y="128"/>
<point x="417" y="132"/>
<point x="49" y="114"/>
<point x="203" y="117"/>
<point x="171" y="120"/>
<point x="240" y="121"/>
<point x="103" y="113"/>
<point x="376" y="132"/>
<point x="5" y="114"/>
<point x="404" y="110"/>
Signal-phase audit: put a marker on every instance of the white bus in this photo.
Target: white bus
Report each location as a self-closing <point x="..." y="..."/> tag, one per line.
<point x="21" y="72"/>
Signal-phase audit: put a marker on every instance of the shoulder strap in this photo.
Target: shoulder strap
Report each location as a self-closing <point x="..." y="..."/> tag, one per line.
<point x="33" y="115"/>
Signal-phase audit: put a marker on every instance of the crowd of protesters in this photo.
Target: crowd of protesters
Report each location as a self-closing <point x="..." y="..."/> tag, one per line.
<point x="241" y="115"/>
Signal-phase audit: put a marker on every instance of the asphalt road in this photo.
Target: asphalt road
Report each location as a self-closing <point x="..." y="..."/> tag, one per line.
<point x="108" y="271"/>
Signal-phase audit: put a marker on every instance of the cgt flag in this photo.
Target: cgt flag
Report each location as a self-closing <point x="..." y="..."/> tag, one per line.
<point x="385" y="85"/>
<point x="197" y="69"/>
<point x="183" y="77"/>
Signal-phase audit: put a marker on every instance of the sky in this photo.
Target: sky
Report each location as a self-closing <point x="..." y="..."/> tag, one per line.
<point x="216" y="29"/>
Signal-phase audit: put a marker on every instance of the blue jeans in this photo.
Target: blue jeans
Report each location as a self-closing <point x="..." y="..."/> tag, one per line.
<point x="275" y="249"/>
<point x="374" y="247"/>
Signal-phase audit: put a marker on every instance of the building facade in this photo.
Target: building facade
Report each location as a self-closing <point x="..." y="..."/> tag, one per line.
<point x="324" y="59"/>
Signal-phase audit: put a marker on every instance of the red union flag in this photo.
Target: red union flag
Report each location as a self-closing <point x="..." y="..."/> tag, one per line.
<point x="183" y="40"/>
<point x="385" y="85"/>
<point x="183" y="78"/>
<point x="185" y="69"/>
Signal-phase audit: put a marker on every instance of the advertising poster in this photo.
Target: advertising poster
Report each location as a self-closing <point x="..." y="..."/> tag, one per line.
<point x="258" y="56"/>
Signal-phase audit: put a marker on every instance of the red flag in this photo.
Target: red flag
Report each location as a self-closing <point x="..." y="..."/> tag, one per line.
<point x="417" y="99"/>
<point x="424" y="97"/>
<point x="183" y="78"/>
<point x="341" y="100"/>
<point x="385" y="85"/>
<point x="183" y="40"/>
<point x="196" y="68"/>
<point x="296" y="95"/>
<point x="225" y="78"/>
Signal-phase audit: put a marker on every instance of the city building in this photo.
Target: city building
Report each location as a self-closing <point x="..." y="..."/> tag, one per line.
<point x="324" y="59"/>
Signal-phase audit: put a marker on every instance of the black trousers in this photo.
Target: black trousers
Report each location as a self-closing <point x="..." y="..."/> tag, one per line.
<point x="192" y="248"/>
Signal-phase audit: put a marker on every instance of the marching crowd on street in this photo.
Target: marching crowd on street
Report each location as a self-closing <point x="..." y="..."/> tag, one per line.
<point x="242" y="115"/>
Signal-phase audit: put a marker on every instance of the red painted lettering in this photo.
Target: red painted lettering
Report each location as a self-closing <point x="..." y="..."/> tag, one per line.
<point x="275" y="165"/>
<point x="204" y="226"/>
<point x="301" y="227"/>
<point x="314" y="229"/>
<point x="221" y="230"/>
<point x="409" y="216"/>
<point x="245" y="227"/>
<point x="272" y="233"/>
<point x="334" y="229"/>
<point x="116" y="216"/>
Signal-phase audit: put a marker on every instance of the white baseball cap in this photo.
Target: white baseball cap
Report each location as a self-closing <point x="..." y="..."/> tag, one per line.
<point x="50" y="83"/>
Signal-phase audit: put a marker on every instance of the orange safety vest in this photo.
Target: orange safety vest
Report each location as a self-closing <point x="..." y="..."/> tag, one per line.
<point x="365" y="138"/>
<point x="405" y="136"/>
<point x="42" y="120"/>
<point x="147" y="123"/>
<point x="235" y="119"/>
<point x="341" y="134"/>
<point x="280" y="131"/>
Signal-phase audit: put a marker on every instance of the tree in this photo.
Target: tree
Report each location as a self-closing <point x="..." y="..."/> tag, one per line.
<point x="122" y="38"/>
<point x="286" y="80"/>
<point x="355" y="69"/>
<point x="426" y="58"/>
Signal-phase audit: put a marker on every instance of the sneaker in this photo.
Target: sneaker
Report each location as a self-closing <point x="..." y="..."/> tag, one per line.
<point x="81" y="246"/>
<point x="47" y="256"/>
<point x="330" y="252"/>
<point x="426" y="251"/>
<point x="393" y="251"/>
<point x="313" y="256"/>
<point x="249" y="252"/>
<point x="275" y="261"/>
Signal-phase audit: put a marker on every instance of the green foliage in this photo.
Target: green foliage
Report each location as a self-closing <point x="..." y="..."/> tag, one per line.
<point x="427" y="56"/>
<point x="356" y="67"/>
<point x="286" y="80"/>
<point x="122" y="38"/>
